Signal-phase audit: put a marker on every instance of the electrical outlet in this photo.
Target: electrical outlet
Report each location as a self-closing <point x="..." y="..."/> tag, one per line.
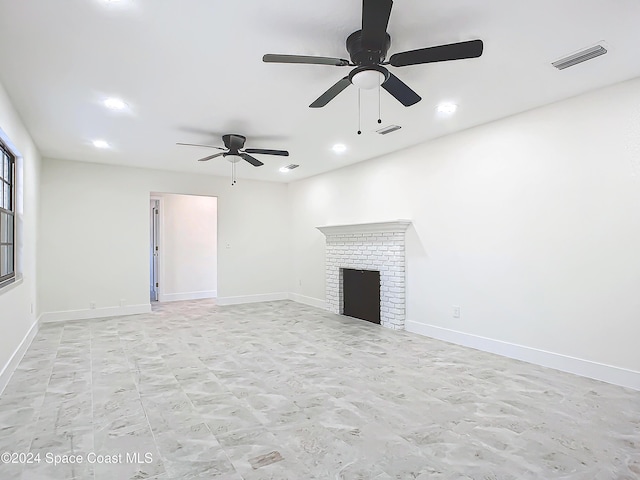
<point x="122" y="300"/>
<point x="92" y="305"/>
<point x="300" y="282"/>
<point x="456" y="311"/>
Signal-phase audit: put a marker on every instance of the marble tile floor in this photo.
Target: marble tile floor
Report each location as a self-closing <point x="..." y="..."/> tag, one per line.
<point x="280" y="390"/>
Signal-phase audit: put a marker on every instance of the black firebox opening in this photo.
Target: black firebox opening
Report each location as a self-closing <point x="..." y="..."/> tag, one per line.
<point x="361" y="294"/>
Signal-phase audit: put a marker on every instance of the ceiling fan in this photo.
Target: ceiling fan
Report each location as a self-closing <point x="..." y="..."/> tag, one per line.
<point x="368" y="49"/>
<point x="234" y="151"/>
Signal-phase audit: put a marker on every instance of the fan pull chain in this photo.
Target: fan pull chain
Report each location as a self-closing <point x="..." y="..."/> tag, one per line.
<point x="359" y="114"/>
<point x="379" y="115"/>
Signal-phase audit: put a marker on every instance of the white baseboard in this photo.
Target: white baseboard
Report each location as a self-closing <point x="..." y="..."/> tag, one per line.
<point x="177" y="297"/>
<point x="311" y="301"/>
<point x="15" y="359"/>
<point x="264" y="297"/>
<point x="88" y="314"/>
<point x="577" y="366"/>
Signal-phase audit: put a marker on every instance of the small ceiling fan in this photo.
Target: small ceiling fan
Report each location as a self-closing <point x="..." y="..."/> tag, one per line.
<point x="234" y="151"/>
<point x="368" y="49"/>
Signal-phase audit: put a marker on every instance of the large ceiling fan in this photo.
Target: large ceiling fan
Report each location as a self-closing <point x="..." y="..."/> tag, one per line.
<point x="234" y="151"/>
<point x="368" y="49"/>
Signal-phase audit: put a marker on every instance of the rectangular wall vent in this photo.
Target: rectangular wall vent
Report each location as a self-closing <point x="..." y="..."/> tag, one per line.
<point x="581" y="56"/>
<point x="389" y="129"/>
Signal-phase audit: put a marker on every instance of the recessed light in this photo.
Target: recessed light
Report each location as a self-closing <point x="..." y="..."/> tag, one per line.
<point x="115" y="104"/>
<point x="447" y="108"/>
<point x="116" y="3"/>
<point x="100" y="144"/>
<point x="284" y="169"/>
<point x="339" y="148"/>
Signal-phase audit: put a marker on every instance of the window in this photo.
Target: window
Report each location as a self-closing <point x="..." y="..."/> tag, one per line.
<point x="7" y="215"/>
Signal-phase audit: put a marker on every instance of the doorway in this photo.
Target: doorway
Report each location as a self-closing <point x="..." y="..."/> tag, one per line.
<point x="183" y="254"/>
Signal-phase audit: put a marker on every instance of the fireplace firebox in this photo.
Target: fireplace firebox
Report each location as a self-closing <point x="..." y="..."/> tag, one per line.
<point x="361" y="294"/>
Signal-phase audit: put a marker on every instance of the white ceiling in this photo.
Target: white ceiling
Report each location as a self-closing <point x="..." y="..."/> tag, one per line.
<point x="189" y="68"/>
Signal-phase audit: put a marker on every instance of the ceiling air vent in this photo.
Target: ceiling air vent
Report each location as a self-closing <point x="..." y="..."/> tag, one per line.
<point x="389" y="129"/>
<point x="289" y="167"/>
<point x="579" y="57"/>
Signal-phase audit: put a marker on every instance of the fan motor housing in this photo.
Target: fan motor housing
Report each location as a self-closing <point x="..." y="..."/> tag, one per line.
<point x="234" y="142"/>
<point x="366" y="55"/>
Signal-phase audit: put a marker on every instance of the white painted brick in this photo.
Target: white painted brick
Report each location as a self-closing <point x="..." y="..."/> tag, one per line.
<point x="372" y="251"/>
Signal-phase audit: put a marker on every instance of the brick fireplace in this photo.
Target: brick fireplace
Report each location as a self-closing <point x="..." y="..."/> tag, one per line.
<point x="369" y="246"/>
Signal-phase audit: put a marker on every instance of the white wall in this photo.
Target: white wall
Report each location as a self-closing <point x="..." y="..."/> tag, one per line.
<point x="189" y="247"/>
<point x="530" y="224"/>
<point x="18" y="304"/>
<point x="94" y="237"/>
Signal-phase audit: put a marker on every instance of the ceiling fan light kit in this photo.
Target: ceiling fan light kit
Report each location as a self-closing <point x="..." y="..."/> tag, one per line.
<point x="367" y="78"/>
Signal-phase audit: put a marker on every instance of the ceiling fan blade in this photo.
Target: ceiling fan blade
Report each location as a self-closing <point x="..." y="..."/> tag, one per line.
<point x="401" y="91"/>
<point x="375" y="18"/>
<point x="330" y="94"/>
<point x="441" y="53"/>
<point x="276" y="58"/>
<point x="200" y="145"/>
<point x="282" y="153"/>
<point x="253" y="161"/>
<point x="211" y="156"/>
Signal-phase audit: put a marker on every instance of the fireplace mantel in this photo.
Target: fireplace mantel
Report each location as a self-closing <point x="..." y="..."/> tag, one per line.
<point x="375" y="227"/>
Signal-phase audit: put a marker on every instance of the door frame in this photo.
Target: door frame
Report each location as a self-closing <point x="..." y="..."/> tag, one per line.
<point x="160" y="242"/>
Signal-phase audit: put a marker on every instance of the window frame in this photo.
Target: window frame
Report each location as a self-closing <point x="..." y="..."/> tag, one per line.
<point x="9" y="183"/>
